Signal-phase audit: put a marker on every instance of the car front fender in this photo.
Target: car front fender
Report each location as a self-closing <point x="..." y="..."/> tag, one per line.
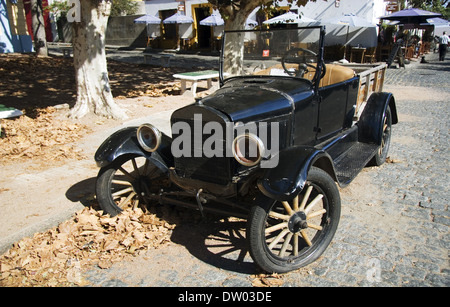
<point x="124" y="142"/>
<point x="285" y="181"/>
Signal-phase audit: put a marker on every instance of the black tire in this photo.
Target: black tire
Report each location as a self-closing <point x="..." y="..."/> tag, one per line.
<point x="281" y="241"/>
<point x="383" y="150"/>
<point x="121" y="184"/>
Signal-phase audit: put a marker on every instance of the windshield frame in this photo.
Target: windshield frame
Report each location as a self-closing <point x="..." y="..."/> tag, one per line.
<point x="320" y="71"/>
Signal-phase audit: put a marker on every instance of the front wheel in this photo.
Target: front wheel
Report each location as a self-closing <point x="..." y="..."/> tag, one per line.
<point x="285" y="236"/>
<point x="123" y="183"/>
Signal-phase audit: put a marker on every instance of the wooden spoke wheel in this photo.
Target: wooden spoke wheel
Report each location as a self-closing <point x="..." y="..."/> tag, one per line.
<point x="123" y="183"/>
<point x="383" y="150"/>
<point x="284" y="235"/>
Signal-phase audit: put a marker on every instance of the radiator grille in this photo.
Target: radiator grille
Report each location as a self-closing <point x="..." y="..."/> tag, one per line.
<point x="210" y="169"/>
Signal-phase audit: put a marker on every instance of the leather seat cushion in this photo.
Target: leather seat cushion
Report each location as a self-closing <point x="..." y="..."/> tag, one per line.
<point x="334" y="74"/>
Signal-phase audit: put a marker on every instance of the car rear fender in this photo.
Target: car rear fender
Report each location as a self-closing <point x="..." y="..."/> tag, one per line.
<point x="370" y="123"/>
<point x="285" y="181"/>
<point x="125" y="142"/>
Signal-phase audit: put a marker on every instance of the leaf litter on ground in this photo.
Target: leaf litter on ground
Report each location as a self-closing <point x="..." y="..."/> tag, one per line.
<point x="58" y="256"/>
<point x="44" y="137"/>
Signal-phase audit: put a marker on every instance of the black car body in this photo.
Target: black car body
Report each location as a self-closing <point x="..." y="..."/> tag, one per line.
<point x="269" y="145"/>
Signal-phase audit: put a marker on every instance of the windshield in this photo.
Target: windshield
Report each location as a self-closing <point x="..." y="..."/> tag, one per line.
<point x="277" y="52"/>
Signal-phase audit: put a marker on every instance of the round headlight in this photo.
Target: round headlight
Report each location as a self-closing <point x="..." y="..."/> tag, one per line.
<point x="248" y="149"/>
<point x="149" y="137"/>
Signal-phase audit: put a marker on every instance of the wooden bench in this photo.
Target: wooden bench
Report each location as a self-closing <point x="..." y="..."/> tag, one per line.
<point x="194" y="77"/>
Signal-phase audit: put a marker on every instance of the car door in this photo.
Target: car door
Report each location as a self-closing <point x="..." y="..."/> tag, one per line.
<point x="305" y="119"/>
<point x="334" y="108"/>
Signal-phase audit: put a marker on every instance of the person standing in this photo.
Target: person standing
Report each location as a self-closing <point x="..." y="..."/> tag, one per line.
<point x="443" y="44"/>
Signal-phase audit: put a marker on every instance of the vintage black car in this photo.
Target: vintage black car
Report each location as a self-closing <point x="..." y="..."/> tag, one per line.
<point x="271" y="145"/>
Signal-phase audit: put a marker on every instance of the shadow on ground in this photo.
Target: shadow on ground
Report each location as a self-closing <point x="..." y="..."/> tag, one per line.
<point x="213" y="239"/>
<point x="29" y="83"/>
<point x="218" y="242"/>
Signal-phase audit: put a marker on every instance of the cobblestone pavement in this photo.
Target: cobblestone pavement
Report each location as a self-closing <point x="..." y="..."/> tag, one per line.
<point x="394" y="228"/>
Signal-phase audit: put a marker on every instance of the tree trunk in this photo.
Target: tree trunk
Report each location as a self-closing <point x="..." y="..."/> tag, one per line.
<point x="89" y="56"/>
<point x="233" y="62"/>
<point x="236" y="13"/>
<point x="38" y="25"/>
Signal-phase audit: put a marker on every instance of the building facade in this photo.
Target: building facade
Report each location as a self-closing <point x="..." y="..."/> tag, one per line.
<point x="14" y="31"/>
<point x="201" y="36"/>
<point x="191" y="35"/>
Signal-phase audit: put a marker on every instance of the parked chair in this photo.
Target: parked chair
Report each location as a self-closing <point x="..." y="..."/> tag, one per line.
<point x="384" y="52"/>
<point x="410" y="52"/>
<point x="369" y="57"/>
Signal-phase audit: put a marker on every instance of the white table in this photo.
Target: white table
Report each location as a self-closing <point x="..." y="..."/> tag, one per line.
<point x="194" y="77"/>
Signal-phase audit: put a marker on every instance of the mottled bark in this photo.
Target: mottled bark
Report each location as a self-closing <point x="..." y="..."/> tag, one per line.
<point x="38" y="26"/>
<point x="93" y="88"/>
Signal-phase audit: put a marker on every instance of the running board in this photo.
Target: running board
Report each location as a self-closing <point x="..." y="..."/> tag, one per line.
<point x="350" y="163"/>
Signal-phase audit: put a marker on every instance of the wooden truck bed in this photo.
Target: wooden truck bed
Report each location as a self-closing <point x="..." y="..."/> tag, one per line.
<point x="371" y="80"/>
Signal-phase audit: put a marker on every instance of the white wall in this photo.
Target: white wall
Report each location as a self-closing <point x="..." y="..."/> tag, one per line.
<point x="323" y="10"/>
<point x="320" y="10"/>
<point x="439" y="30"/>
<point x="153" y="6"/>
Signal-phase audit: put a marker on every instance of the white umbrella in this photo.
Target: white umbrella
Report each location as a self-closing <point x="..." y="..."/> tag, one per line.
<point x="349" y="20"/>
<point x="178" y="18"/>
<point x="437" y="21"/>
<point x="304" y="19"/>
<point x="290" y="18"/>
<point x="285" y="18"/>
<point x="148" y="19"/>
<point x="216" y="20"/>
<point x="213" y="21"/>
<point x="251" y="23"/>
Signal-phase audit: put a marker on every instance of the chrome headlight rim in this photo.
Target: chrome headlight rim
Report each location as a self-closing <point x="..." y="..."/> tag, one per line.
<point x="156" y="134"/>
<point x="240" y="158"/>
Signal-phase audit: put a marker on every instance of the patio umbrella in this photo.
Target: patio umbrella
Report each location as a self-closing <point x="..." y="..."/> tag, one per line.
<point x="148" y="19"/>
<point x="250" y="23"/>
<point x="411" y="16"/>
<point x="349" y="20"/>
<point x="437" y="21"/>
<point x="289" y="18"/>
<point x="286" y="18"/>
<point x="178" y="19"/>
<point x="213" y="21"/>
<point x="304" y="19"/>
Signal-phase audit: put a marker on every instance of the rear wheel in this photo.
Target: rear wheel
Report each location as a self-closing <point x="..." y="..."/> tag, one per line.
<point x="121" y="184"/>
<point x="285" y="236"/>
<point x="383" y="150"/>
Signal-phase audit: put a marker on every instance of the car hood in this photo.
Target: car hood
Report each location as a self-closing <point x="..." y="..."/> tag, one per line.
<point x="254" y="99"/>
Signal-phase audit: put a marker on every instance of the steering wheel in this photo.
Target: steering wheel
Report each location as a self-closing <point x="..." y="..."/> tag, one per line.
<point x="292" y="57"/>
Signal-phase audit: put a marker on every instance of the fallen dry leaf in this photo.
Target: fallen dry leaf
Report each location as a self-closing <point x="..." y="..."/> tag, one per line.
<point x="58" y="256"/>
<point x="264" y="280"/>
<point x="44" y="137"/>
<point x="390" y="160"/>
